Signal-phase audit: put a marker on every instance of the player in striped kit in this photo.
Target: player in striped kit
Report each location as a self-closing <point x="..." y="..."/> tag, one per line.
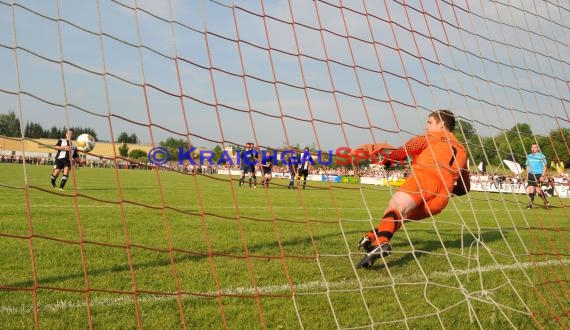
<point x="66" y="153"/>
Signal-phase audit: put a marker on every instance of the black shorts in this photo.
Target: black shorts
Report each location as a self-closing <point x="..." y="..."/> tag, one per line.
<point x="303" y="173"/>
<point x="533" y="180"/>
<point x="60" y="163"/>
<point x="248" y="169"/>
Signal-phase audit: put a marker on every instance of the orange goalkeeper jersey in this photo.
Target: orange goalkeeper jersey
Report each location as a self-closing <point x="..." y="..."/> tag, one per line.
<point x="437" y="152"/>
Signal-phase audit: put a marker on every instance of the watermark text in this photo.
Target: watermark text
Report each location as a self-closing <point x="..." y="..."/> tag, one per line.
<point x="251" y="157"/>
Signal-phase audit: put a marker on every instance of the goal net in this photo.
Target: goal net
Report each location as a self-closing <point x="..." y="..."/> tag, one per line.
<point x="156" y="226"/>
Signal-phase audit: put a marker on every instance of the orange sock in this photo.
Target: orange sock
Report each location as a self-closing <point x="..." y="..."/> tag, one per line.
<point x="389" y="224"/>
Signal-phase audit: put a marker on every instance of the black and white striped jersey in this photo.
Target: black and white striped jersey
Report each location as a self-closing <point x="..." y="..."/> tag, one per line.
<point x="64" y="153"/>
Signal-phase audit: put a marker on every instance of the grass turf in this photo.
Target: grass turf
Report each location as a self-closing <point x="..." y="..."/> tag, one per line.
<point x="130" y="248"/>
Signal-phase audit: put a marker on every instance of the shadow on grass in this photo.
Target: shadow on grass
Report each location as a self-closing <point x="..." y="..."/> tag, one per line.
<point x="179" y="258"/>
<point x="424" y="247"/>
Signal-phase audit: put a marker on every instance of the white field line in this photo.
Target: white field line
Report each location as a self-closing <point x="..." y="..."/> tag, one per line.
<point x="271" y="289"/>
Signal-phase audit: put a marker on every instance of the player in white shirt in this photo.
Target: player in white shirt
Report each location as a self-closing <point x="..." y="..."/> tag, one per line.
<point x="66" y="152"/>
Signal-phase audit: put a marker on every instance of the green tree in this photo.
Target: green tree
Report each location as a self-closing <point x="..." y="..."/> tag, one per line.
<point x="137" y="154"/>
<point x="34" y="130"/>
<point x="10" y="125"/>
<point x="124" y="150"/>
<point x="560" y="146"/>
<point x="123" y="138"/>
<point x="516" y="143"/>
<point x="171" y="144"/>
<point x="54" y="133"/>
<point x="82" y="130"/>
<point x="217" y="153"/>
<point x="126" y="138"/>
<point x="134" y="138"/>
<point x="520" y="130"/>
<point x="488" y="151"/>
<point x="551" y="149"/>
<point x="465" y="132"/>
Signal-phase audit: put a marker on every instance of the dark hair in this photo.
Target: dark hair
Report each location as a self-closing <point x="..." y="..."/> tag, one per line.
<point x="446" y="116"/>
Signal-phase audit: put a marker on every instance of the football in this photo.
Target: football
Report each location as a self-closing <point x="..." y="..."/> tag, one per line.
<point x="85" y="142"/>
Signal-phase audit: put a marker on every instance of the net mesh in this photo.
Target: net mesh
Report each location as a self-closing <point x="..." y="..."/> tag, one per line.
<point x="180" y="246"/>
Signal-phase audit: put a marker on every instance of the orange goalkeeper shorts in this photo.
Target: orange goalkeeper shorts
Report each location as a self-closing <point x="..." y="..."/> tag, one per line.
<point x="430" y="194"/>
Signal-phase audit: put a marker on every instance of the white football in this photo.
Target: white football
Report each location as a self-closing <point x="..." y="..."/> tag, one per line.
<point x="85" y="142"/>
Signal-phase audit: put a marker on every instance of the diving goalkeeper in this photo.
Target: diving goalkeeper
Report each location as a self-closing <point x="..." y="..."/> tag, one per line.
<point x="439" y="169"/>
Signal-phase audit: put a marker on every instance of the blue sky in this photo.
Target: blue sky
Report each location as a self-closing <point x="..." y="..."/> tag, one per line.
<point x="494" y="63"/>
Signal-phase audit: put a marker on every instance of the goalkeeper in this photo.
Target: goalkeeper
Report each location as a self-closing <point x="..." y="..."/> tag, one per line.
<point x="439" y="169"/>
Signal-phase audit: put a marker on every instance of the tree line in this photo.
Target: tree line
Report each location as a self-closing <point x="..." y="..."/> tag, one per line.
<point x="514" y="144"/>
<point x="10" y="126"/>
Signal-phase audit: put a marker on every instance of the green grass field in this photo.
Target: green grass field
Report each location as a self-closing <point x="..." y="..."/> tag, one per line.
<point x="160" y="250"/>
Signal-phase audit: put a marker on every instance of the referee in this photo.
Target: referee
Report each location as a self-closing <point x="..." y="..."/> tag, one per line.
<point x="536" y="170"/>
